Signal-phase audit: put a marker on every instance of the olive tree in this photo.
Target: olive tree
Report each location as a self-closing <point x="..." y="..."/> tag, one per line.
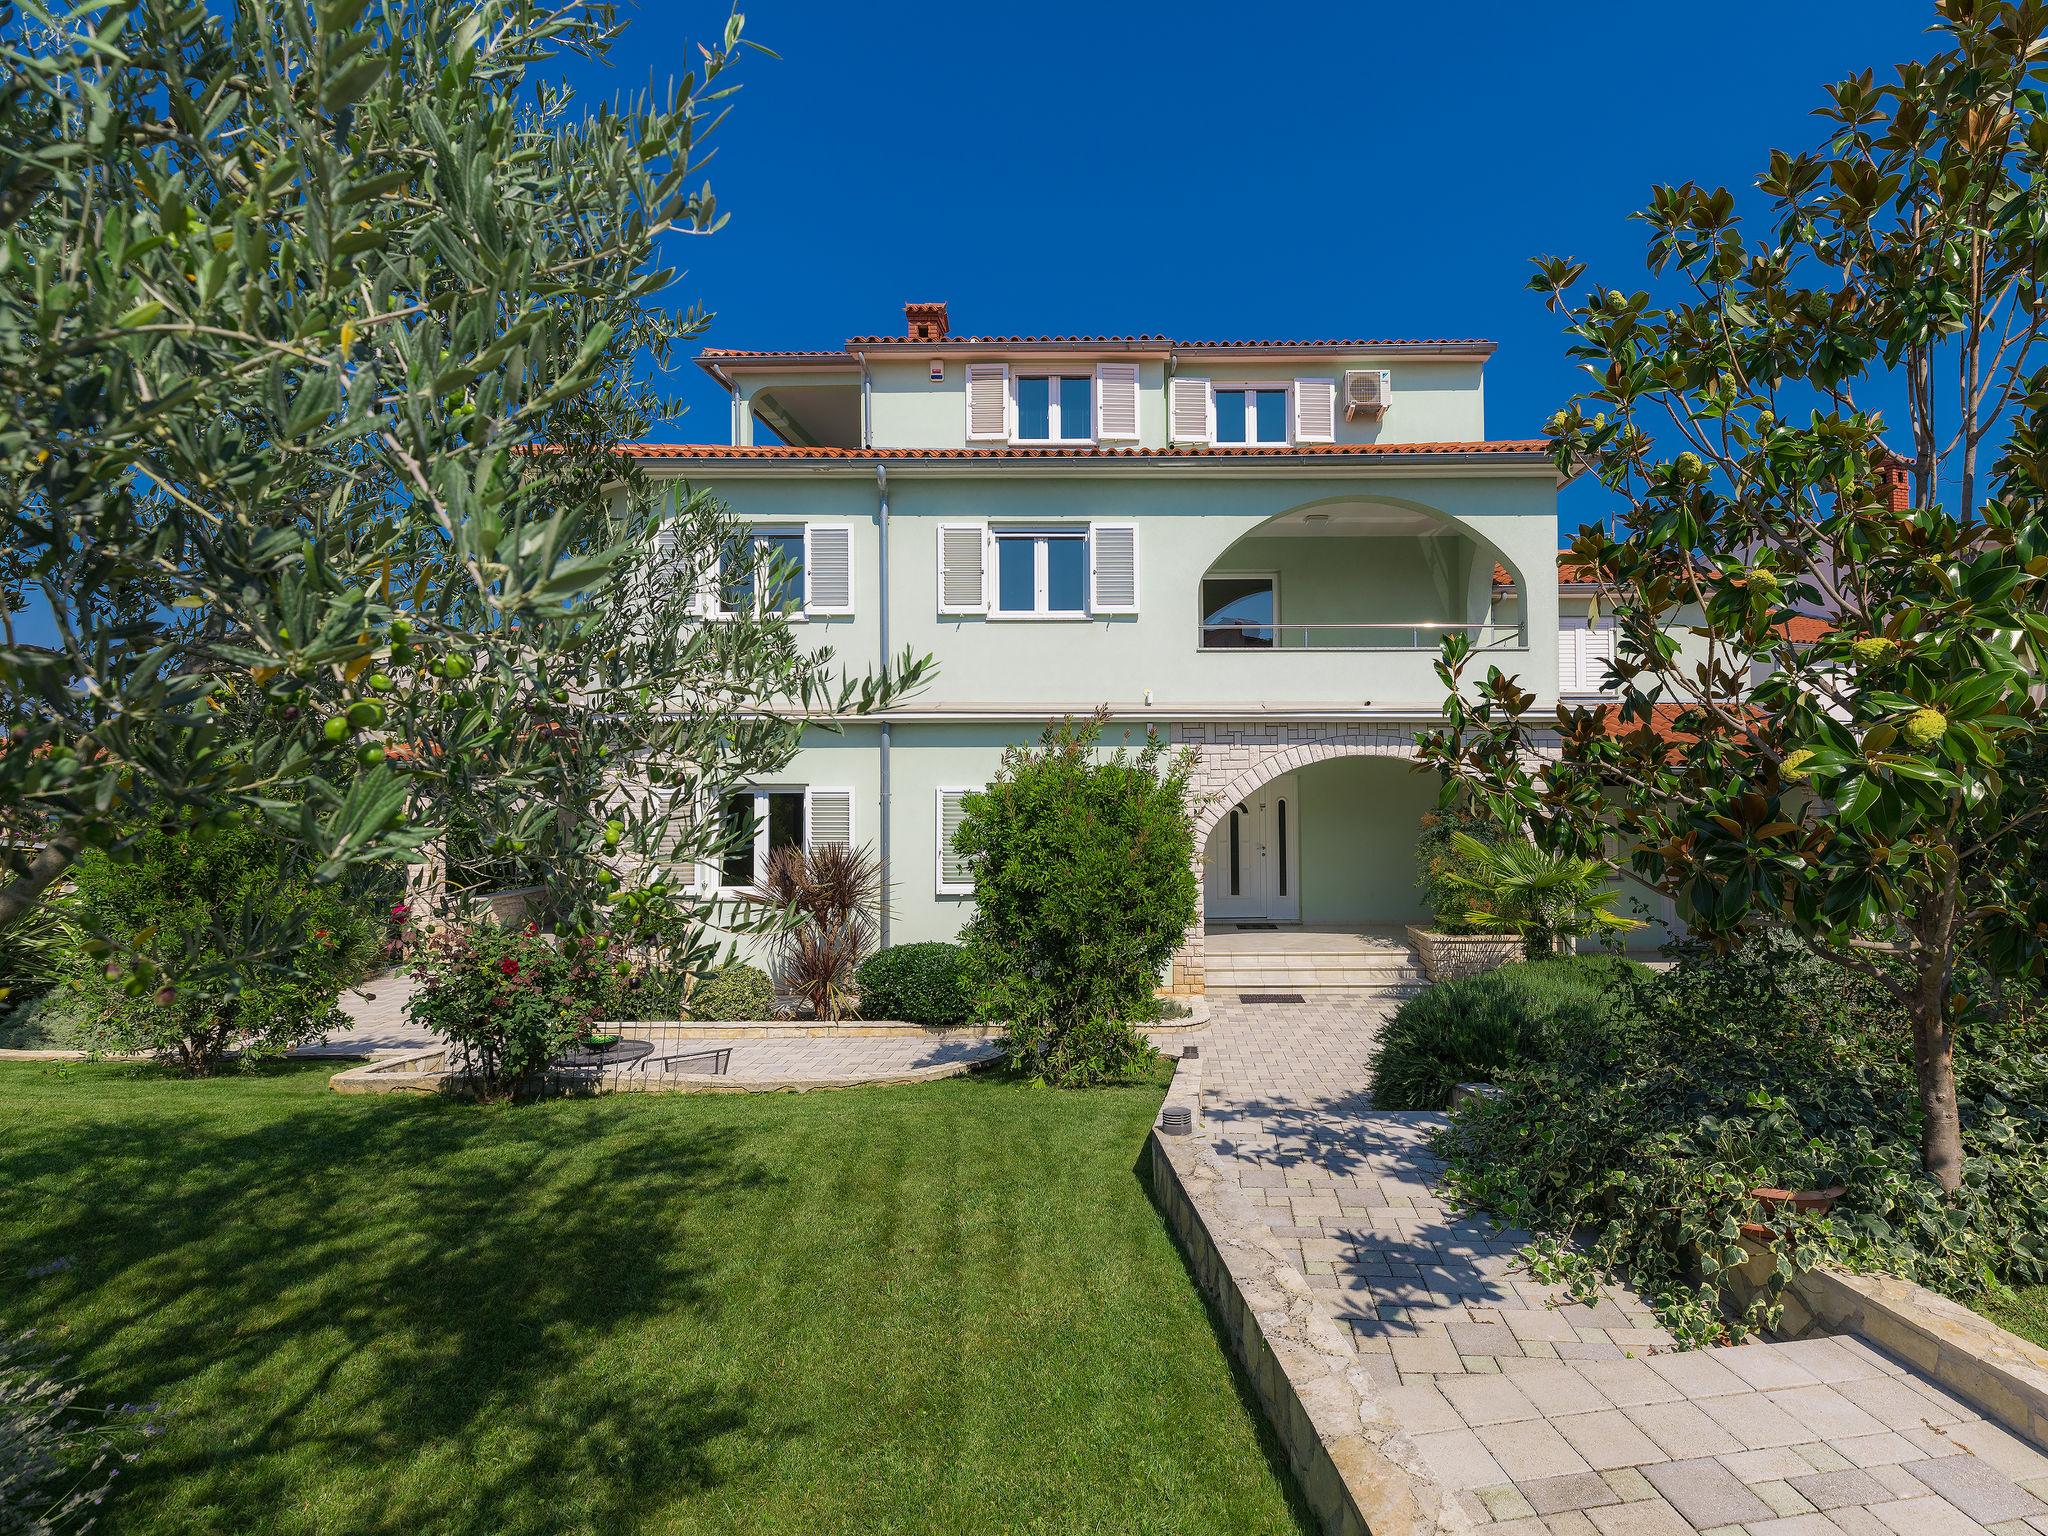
<point x="1878" y="790"/>
<point x="321" y="325"/>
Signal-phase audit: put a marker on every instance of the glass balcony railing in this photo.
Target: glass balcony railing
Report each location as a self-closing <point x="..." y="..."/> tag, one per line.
<point x="1251" y="635"/>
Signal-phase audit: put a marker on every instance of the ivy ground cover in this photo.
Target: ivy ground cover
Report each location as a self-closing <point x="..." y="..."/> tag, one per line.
<point x="934" y="1309"/>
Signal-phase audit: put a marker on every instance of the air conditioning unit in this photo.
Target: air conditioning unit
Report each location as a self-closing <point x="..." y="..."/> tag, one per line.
<point x="1367" y="391"/>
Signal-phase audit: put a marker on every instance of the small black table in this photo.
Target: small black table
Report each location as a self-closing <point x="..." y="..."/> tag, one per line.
<point x="599" y="1057"/>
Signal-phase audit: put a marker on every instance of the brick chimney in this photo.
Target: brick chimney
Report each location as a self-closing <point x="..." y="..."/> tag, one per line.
<point x="927" y="321"/>
<point x="1899" y="482"/>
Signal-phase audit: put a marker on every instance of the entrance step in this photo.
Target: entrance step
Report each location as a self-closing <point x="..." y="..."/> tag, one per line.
<point x="1293" y="973"/>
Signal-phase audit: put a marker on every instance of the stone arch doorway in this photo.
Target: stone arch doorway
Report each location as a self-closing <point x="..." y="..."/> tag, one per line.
<point x="1235" y="763"/>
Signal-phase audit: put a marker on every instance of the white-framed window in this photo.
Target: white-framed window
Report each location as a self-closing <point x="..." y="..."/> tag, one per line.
<point x="816" y="579"/>
<point x="745" y="565"/>
<point x="1251" y="413"/>
<point x="1041" y="573"/>
<point x="781" y="816"/>
<point x="954" y="876"/>
<point x="1055" y="407"/>
<point x="1038" y="571"/>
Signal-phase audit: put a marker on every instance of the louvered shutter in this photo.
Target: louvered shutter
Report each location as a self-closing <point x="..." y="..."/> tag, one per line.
<point x="1597" y="649"/>
<point x="955" y="878"/>
<point x="1315" y="410"/>
<point x="1568" y="648"/>
<point x="1116" y="402"/>
<point x="828" y="568"/>
<point x="828" y="817"/>
<point x="1113" y="567"/>
<point x="988" y="402"/>
<point x="963" y="567"/>
<point x="1193" y="410"/>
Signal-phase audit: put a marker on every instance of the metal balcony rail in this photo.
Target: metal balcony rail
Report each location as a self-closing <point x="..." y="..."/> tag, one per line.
<point x="1245" y="635"/>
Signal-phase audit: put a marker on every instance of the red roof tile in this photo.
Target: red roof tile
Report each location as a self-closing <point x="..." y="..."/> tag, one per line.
<point x="712" y="357"/>
<point x="1803" y="629"/>
<point x="1535" y="447"/>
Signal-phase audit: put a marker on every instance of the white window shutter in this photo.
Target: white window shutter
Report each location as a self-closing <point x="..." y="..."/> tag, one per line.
<point x="1116" y="402"/>
<point x="828" y="817"/>
<point x="1315" y="410"/>
<point x="955" y="878"/>
<point x="1598" y="651"/>
<point x="963" y="567"/>
<point x="1113" y="567"/>
<point x="988" y="402"/>
<point x="828" y="568"/>
<point x="1194" y="411"/>
<point x="1568" y="648"/>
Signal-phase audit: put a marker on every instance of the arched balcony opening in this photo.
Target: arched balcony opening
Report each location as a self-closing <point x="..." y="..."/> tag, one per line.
<point x="1356" y="576"/>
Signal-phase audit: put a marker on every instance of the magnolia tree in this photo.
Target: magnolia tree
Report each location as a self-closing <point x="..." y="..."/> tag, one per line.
<point x="1877" y="791"/>
<point x="321" y="324"/>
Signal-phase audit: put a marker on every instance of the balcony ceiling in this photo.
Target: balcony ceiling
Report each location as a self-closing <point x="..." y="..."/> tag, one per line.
<point x="1357" y="519"/>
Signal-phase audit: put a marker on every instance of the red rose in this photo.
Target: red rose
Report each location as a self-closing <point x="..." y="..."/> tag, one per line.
<point x="509" y="966"/>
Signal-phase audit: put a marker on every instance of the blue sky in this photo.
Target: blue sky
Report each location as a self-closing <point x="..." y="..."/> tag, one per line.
<point x="1208" y="170"/>
<point x="1211" y="170"/>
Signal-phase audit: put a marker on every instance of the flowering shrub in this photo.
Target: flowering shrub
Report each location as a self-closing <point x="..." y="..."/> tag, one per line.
<point x="252" y="954"/>
<point x="510" y="1000"/>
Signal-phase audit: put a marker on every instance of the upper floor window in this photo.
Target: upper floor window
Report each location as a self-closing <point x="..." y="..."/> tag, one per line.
<point x="800" y="570"/>
<point x="1055" y="408"/>
<point x="1246" y="415"/>
<point x="1042" y="573"/>
<point x="771" y="559"/>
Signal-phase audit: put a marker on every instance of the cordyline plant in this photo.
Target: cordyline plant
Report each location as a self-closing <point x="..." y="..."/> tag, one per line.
<point x="1877" y="791"/>
<point x="321" y="324"/>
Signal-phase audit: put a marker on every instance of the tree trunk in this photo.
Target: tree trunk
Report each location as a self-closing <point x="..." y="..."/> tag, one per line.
<point x="1941" y="1126"/>
<point x="26" y="889"/>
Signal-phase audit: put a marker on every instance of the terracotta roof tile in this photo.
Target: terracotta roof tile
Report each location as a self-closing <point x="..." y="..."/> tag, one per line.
<point x="1147" y="341"/>
<point x="1803" y="629"/>
<point x="779" y="451"/>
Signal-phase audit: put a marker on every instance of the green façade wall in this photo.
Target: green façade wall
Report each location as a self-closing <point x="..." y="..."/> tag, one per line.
<point x="1359" y="820"/>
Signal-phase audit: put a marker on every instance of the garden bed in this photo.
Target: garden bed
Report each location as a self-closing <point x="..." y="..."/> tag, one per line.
<point x="926" y="1311"/>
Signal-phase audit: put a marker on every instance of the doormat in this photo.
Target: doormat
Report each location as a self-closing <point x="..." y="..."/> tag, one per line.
<point x="1271" y="997"/>
<point x="1256" y="927"/>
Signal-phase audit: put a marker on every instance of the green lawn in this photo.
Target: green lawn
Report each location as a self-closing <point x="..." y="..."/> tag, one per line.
<point x="2024" y="1311"/>
<point x="945" y="1308"/>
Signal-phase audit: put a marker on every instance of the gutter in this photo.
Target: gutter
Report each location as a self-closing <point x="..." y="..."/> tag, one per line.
<point x="882" y="577"/>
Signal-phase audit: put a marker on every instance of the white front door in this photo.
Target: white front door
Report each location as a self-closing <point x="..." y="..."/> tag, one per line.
<point x="1252" y="871"/>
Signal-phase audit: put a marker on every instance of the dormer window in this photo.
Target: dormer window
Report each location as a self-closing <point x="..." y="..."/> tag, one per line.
<point x="1055" y="408"/>
<point x="1248" y="415"/>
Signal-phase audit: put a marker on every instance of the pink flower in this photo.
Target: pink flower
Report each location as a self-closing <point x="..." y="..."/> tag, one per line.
<point x="400" y="911"/>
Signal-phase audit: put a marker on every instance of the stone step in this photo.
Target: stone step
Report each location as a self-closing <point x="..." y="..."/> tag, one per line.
<point x="1232" y="978"/>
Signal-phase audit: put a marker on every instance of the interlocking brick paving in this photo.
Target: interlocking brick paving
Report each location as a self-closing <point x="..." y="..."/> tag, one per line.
<point x="1547" y="1416"/>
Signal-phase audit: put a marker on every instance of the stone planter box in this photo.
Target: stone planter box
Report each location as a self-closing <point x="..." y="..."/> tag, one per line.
<point x="1448" y="955"/>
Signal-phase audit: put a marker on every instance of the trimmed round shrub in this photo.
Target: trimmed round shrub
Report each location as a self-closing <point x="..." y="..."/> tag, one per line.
<point x="918" y="983"/>
<point x="736" y="993"/>
<point x="1468" y="1029"/>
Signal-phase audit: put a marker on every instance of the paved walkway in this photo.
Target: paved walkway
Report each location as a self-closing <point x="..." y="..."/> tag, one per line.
<point x="1553" y="1418"/>
<point x="377" y="1023"/>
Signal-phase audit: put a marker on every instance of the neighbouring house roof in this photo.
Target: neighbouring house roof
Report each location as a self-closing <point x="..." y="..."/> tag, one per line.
<point x="1533" y="450"/>
<point x="1804" y="629"/>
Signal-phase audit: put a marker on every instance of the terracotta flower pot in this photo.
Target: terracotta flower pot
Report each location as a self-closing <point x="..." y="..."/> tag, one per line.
<point x="1817" y="1201"/>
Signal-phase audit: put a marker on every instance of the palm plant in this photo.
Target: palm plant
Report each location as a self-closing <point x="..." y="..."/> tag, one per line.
<point x="832" y="893"/>
<point x="1546" y="897"/>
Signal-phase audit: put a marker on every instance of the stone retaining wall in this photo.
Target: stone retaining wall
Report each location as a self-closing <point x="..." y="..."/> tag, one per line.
<point x="1447" y="955"/>
<point x="2001" y="1375"/>
<point x="1358" y="1470"/>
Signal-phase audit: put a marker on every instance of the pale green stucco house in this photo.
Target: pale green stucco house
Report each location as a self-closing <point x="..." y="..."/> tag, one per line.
<point x="1254" y="547"/>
